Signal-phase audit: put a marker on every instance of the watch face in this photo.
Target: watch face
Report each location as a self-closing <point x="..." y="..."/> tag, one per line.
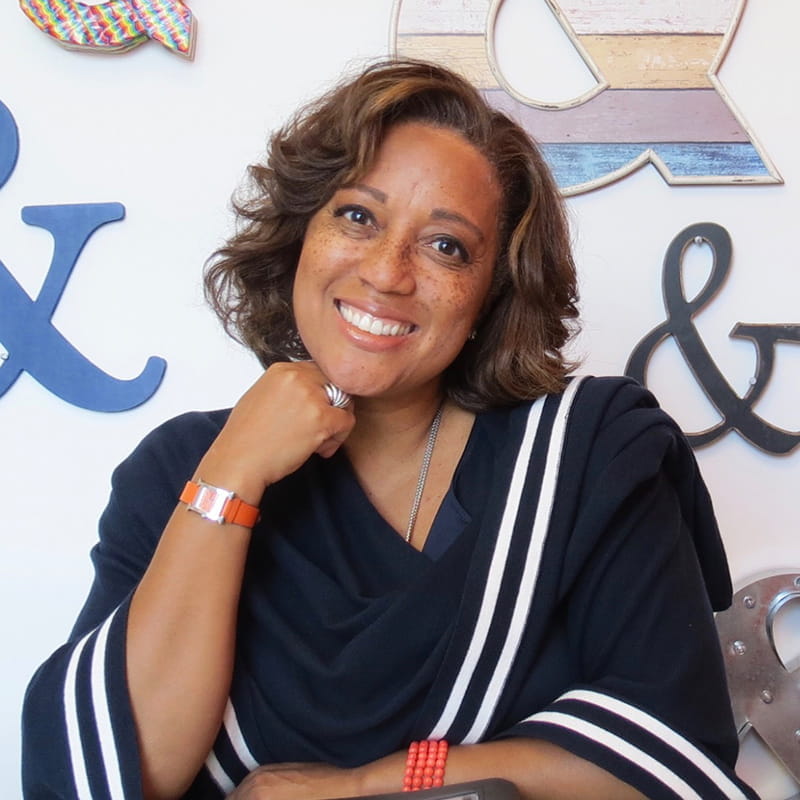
<point x="210" y="502"/>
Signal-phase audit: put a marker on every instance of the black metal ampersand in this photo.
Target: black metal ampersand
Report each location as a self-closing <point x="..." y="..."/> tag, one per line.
<point x="737" y="412"/>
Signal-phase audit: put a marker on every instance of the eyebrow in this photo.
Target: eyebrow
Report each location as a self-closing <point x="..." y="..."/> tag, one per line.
<point x="437" y="213"/>
<point x="380" y="196"/>
<point x="453" y="216"/>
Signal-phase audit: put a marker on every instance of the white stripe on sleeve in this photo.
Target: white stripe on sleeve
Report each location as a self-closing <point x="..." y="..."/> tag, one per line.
<point x="103" y="716"/>
<point x="624" y="748"/>
<point x="659" y="729"/>
<point x="71" y="719"/>
<point x="219" y="775"/>
<point x="236" y="736"/>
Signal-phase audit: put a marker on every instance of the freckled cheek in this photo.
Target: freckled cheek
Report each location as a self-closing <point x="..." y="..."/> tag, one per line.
<point x="462" y="303"/>
<point x="325" y="254"/>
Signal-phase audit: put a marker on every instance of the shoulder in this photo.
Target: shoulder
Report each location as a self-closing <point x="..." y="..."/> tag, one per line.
<point x="590" y="412"/>
<point x="614" y="426"/>
<point x="177" y="442"/>
<point x="615" y="417"/>
<point x="604" y="441"/>
<point x="593" y="425"/>
<point x="146" y="485"/>
<point x="191" y="424"/>
<point x="620" y="446"/>
<point x="599" y="401"/>
<point x="157" y="469"/>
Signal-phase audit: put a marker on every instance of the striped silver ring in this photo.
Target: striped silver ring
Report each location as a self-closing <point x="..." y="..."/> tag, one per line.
<point x="336" y="397"/>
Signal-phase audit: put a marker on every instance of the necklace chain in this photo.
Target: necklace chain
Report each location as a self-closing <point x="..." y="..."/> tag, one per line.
<point x="423" y="473"/>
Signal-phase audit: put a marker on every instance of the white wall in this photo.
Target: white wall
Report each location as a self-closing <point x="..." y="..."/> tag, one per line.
<point x="170" y="139"/>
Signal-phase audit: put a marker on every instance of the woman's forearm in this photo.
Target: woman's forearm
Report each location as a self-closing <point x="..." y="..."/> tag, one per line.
<point x="182" y="624"/>
<point x="180" y="646"/>
<point x="540" y="771"/>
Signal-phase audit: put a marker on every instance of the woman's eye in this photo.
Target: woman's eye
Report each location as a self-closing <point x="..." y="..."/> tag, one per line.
<point x="355" y="214"/>
<point x="451" y="249"/>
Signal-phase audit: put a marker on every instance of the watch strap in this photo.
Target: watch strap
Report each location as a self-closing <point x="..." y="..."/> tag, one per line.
<point x="218" y="505"/>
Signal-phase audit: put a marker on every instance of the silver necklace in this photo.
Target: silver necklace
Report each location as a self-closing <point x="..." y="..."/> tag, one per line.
<point x="423" y="473"/>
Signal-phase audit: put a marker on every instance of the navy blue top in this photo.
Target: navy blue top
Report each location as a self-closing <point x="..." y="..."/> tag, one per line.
<point x="565" y="593"/>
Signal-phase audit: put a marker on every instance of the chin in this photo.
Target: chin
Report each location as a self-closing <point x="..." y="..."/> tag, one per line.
<point x="371" y="377"/>
<point x="351" y="375"/>
<point x="361" y="388"/>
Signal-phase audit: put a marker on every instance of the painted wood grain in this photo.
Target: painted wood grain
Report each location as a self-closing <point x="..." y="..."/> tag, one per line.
<point x="649" y="16"/>
<point x="465" y="54"/>
<point x="655" y="61"/>
<point x="581" y="168"/>
<point x="441" y="16"/>
<point x="585" y="16"/>
<point x="718" y="160"/>
<point x="636" y="115"/>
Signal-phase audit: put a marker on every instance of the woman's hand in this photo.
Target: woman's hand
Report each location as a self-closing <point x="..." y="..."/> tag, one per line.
<point x="297" y="782"/>
<point x="278" y="423"/>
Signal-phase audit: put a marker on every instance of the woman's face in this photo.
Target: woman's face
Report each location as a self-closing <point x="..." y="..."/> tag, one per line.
<point x="394" y="270"/>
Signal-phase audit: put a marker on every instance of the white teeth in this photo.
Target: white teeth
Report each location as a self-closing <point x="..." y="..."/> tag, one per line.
<point x="374" y="325"/>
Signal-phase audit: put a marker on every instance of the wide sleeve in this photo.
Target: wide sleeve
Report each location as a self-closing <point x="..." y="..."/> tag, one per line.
<point x="643" y="570"/>
<point x="78" y="734"/>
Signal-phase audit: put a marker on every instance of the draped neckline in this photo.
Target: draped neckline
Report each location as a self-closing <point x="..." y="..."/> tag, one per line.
<point x="451" y="517"/>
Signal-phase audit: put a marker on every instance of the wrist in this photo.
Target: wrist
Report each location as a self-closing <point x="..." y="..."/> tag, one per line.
<point x="218" y="505"/>
<point x="382" y="776"/>
<point x="230" y="474"/>
<point x="425" y="765"/>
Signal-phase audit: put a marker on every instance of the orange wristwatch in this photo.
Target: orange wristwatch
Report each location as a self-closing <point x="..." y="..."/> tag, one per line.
<point x="218" y="505"/>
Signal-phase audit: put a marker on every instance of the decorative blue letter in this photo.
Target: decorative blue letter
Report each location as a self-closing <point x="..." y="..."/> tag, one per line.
<point x="26" y="330"/>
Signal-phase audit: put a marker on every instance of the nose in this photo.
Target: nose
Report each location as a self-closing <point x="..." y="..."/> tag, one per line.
<point x="388" y="266"/>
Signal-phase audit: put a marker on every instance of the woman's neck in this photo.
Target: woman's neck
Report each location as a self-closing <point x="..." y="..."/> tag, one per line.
<point x="386" y="450"/>
<point x="387" y="426"/>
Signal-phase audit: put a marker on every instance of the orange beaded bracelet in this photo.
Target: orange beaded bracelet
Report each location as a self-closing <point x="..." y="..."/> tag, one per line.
<point x="425" y="765"/>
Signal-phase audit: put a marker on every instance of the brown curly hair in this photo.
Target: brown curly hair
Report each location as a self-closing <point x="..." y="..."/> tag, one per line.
<point x="531" y="309"/>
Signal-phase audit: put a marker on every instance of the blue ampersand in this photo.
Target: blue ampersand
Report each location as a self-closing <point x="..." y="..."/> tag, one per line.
<point x="737" y="412"/>
<point x="32" y="342"/>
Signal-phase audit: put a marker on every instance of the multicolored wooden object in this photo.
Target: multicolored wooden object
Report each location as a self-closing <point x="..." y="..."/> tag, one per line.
<point x="115" y="25"/>
<point x="657" y="97"/>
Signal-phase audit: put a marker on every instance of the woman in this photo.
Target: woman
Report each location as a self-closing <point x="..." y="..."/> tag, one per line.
<point x="455" y="542"/>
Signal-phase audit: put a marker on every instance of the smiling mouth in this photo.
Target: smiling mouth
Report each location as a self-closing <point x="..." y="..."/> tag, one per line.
<point x="374" y="325"/>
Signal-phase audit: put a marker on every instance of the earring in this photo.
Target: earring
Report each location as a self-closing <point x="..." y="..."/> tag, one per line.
<point x="473" y="335"/>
